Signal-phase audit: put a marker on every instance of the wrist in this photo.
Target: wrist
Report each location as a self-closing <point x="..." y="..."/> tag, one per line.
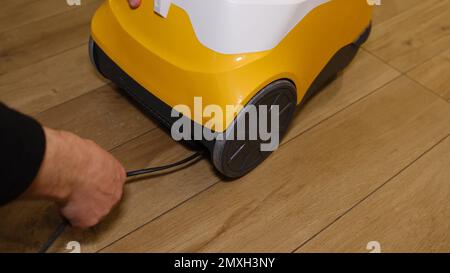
<point x="47" y="184"/>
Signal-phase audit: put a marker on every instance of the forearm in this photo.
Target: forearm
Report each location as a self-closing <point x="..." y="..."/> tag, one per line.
<point x="23" y="145"/>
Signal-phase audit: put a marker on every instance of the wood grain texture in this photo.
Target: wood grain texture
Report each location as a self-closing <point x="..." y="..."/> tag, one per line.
<point x="162" y="197"/>
<point x="18" y="13"/>
<point x="408" y="214"/>
<point x="102" y="115"/>
<point x="435" y="74"/>
<point x="51" y="82"/>
<point x="365" y="75"/>
<point x="45" y="38"/>
<point x="414" y="36"/>
<point x="308" y="183"/>
<point x="391" y="8"/>
<point x="147" y="198"/>
<point x="345" y="143"/>
<point x="86" y="115"/>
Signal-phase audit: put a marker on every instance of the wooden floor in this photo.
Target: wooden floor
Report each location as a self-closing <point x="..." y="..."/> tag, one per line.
<point x="366" y="160"/>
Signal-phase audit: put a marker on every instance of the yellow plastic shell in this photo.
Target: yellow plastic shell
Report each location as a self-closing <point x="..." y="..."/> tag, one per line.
<point x="165" y="56"/>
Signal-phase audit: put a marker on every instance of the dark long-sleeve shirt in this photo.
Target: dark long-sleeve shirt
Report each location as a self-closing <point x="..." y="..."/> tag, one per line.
<point x="22" y="149"/>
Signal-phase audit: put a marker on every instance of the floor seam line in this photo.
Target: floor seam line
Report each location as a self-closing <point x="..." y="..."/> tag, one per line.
<point x="42" y="59"/>
<point x="69" y="100"/>
<point x="409" y="69"/>
<point x="381" y="60"/>
<point x="40" y="19"/>
<point x="428" y="89"/>
<point x="371" y="193"/>
<point x="406" y="74"/>
<point x="344" y="108"/>
<point x="285" y="143"/>
<point x="111" y="150"/>
<point x="158" y="216"/>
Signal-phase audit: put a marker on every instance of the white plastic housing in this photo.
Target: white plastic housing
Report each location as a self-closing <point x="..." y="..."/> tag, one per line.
<point x="241" y="26"/>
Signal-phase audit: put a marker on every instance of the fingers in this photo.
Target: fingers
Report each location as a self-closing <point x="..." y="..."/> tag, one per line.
<point x="83" y="179"/>
<point x="134" y="3"/>
<point x="90" y="204"/>
<point x="96" y="180"/>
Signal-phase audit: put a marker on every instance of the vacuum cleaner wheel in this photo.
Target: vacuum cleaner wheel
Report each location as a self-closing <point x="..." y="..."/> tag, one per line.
<point x="235" y="158"/>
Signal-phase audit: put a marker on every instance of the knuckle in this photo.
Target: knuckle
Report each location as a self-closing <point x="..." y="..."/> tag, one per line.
<point x="95" y="219"/>
<point x="118" y="195"/>
<point x="79" y="222"/>
<point x="123" y="174"/>
<point x="121" y="179"/>
<point x="90" y="142"/>
<point x="90" y="223"/>
<point x="88" y="220"/>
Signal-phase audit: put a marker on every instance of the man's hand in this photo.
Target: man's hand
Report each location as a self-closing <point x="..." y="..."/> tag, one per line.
<point x="134" y="3"/>
<point x="86" y="181"/>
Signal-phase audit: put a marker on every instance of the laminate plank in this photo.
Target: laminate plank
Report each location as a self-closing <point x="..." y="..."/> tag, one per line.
<point x="414" y="36"/>
<point x="364" y="76"/>
<point x="435" y="74"/>
<point x="409" y="214"/>
<point x="350" y="138"/>
<point x="18" y="13"/>
<point x="51" y="82"/>
<point x="146" y="198"/>
<point x="162" y="193"/>
<point x="103" y="115"/>
<point x="391" y="8"/>
<point x="44" y="38"/>
<point x="308" y="183"/>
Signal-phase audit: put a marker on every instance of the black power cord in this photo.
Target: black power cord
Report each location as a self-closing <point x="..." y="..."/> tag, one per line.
<point x="60" y="229"/>
<point x="162" y="168"/>
<point x="53" y="237"/>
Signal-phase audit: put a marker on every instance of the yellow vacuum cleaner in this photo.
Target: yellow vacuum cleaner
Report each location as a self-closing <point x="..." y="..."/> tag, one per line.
<point x="226" y="52"/>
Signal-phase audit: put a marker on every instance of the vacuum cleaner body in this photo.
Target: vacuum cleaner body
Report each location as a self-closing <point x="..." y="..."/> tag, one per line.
<point x="226" y="52"/>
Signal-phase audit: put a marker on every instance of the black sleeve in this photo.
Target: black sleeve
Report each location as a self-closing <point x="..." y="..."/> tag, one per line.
<point x="22" y="146"/>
